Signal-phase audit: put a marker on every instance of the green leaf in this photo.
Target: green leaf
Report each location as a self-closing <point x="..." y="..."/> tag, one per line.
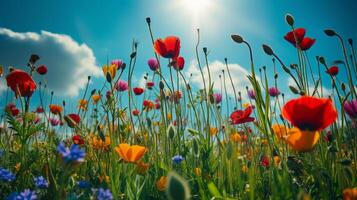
<point x="213" y="190"/>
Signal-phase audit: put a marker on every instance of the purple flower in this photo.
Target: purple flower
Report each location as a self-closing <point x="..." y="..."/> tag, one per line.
<point x="41" y="182"/>
<point x="83" y="184"/>
<point x="177" y="159"/>
<point x="273" y="92"/>
<point x="73" y="154"/>
<point x="121" y="86"/>
<point x="153" y="64"/>
<point x="6" y="175"/>
<point x="27" y="194"/>
<point x="251" y="94"/>
<point x="117" y="62"/>
<point x="103" y="194"/>
<point x="217" y="97"/>
<point x="54" y="121"/>
<point x="350" y="108"/>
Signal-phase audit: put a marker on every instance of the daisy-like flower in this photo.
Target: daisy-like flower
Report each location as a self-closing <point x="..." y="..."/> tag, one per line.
<point x="6" y="175"/>
<point x="104" y="194"/>
<point x="27" y="194"/>
<point x="73" y="154"/>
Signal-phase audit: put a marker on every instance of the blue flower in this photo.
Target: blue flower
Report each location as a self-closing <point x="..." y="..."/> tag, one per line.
<point x="73" y="154"/>
<point x="27" y="194"/>
<point x="83" y="184"/>
<point x="41" y="182"/>
<point x="6" y="175"/>
<point x="177" y="159"/>
<point x="103" y="194"/>
<point x="12" y="196"/>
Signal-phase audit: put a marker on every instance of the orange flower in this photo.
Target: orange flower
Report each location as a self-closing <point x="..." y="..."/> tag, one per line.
<point x="98" y="143"/>
<point x="55" y="109"/>
<point x="280" y="130"/>
<point x="111" y="70"/>
<point x="161" y="184"/>
<point x="276" y="160"/>
<point x="82" y="104"/>
<point x="142" y="167"/>
<point x="213" y="131"/>
<point x="95" y="98"/>
<point x="301" y="140"/>
<point x="349" y="194"/>
<point x="130" y="153"/>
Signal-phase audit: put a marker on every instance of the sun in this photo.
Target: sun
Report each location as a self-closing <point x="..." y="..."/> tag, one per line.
<point x="197" y="7"/>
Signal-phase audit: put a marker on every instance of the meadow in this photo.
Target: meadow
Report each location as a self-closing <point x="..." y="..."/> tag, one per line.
<point x="170" y="140"/>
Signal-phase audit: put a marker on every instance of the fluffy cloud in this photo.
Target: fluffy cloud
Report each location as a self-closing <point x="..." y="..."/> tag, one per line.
<point x="238" y="73"/>
<point x="69" y="63"/>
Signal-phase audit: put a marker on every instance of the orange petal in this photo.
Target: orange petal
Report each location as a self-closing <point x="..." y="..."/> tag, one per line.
<point x="122" y="150"/>
<point x="302" y="140"/>
<point x="137" y="153"/>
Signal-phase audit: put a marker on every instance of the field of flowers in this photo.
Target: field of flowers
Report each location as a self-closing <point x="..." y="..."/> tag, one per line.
<point x="181" y="142"/>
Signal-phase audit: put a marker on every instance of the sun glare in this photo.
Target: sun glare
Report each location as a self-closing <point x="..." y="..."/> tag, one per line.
<point x="196" y="7"/>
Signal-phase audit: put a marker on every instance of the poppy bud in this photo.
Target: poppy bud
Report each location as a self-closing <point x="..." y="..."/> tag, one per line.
<point x="225" y="60"/>
<point x="322" y="60"/>
<point x="333" y="71"/>
<point x="132" y="55"/>
<point x="264" y="68"/>
<point x="267" y="49"/>
<point x="236" y="38"/>
<point x="109" y="77"/>
<point x="64" y="103"/>
<point x="330" y="32"/>
<point x="289" y="19"/>
<point x="343" y="87"/>
<point x="92" y="92"/>
<point x="148" y="20"/>
<point x="89" y="77"/>
<point x="276" y="76"/>
<point x="161" y="85"/>
<point x="123" y="66"/>
<point x="41" y="69"/>
<point x="205" y="50"/>
<point x="302" y="93"/>
<point x="34" y="58"/>
<point x="350" y="41"/>
<point x="293" y="89"/>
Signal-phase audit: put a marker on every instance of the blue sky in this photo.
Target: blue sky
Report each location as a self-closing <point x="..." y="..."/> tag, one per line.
<point x="108" y="28"/>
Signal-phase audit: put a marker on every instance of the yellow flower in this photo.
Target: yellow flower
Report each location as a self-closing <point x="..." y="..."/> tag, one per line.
<point x="264" y="142"/>
<point x="244" y="169"/>
<point x="349" y="194"/>
<point x="235" y="137"/>
<point x="161" y="184"/>
<point x="198" y="171"/>
<point x="213" y="131"/>
<point x="246" y="105"/>
<point x="301" y="141"/>
<point x="169" y="116"/>
<point x="280" y="130"/>
<point x="130" y="153"/>
<point x="111" y="70"/>
<point x="17" y="166"/>
<point x="95" y="98"/>
<point x="98" y="143"/>
<point x="82" y="104"/>
<point x="276" y="160"/>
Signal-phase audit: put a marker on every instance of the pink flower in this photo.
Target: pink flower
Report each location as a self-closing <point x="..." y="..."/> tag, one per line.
<point x="54" y="121"/>
<point x="117" y="63"/>
<point x="251" y="94"/>
<point x="121" y="86"/>
<point x="153" y="64"/>
<point x="273" y="92"/>
<point x="217" y="97"/>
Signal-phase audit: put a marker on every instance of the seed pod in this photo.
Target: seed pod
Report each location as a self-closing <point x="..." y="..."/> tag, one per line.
<point x="330" y="32"/>
<point x="148" y="20"/>
<point x="289" y="19"/>
<point x="161" y="85"/>
<point x="236" y="38"/>
<point x="293" y="89"/>
<point x="268" y="50"/>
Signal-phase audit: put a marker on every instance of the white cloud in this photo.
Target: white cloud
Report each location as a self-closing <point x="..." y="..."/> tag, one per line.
<point x="326" y="91"/>
<point x="238" y="73"/>
<point x="69" y="63"/>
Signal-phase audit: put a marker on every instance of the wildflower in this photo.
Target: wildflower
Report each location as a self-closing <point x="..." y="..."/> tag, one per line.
<point x="161" y="184"/>
<point x="83" y="184"/>
<point x="72" y="120"/>
<point x="110" y="70"/>
<point x="168" y="48"/>
<point x="135" y="112"/>
<point x="27" y="194"/>
<point x="153" y="64"/>
<point x="273" y="92"/>
<point x="121" y="86"/>
<point x="178" y="63"/>
<point x="150" y="85"/>
<point x="147" y="104"/>
<point x="328" y="136"/>
<point x="82" y="104"/>
<point x="157" y="106"/>
<point x="98" y="143"/>
<point x="39" y="110"/>
<point x="55" y="109"/>
<point x="264" y="161"/>
<point x="217" y="97"/>
<point x="333" y="71"/>
<point x="280" y="130"/>
<point x="138" y="90"/>
<point x="41" y="182"/>
<point x="213" y="131"/>
<point x="297" y="39"/>
<point x="11" y="108"/>
<point x="21" y="83"/>
<point x="350" y="108"/>
<point x="73" y="154"/>
<point x="349" y="194"/>
<point x="235" y="137"/>
<point x="197" y="171"/>
<point x="95" y="98"/>
<point x="276" y="160"/>
<point x="6" y="175"/>
<point x="177" y="159"/>
<point x="251" y="94"/>
<point x="77" y="139"/>
<point x="103" y="194"/>
<point x="130" y="153"/>
<point x="242" y="116"/>
<point x="176" y="96"/>
<point x="54" y="122"/>
<point x="41" y="69"/>
<point x="244" y="168"/>
<point x="142" y="167"/>
<point x="169" y="116"/>
<point x="118" y="63"/>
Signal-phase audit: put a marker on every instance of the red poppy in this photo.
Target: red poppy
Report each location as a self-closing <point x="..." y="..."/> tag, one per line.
<point x="39" y="109"/>
<point x="157" y="106"/>
<point x="242" y="116"/>
<point x="168" y="48"/>
<point x="179" y="63"/>
<point x="135" y="112"/>
<point x="310" y="113"/>
<point x="72" y="120"/>
<point x="77" y="139"/>
<point x="148" y="104"/>
<point x="333" y="71"/>
<point x="150" y="85"/>
<point x="12" y="109"/>
<point x="21" y="83"/>
<point x="297" y="38"/>
<point x="42" y="69"/>
<point x="138" y="90"/>
<point x="264" y="161"/>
